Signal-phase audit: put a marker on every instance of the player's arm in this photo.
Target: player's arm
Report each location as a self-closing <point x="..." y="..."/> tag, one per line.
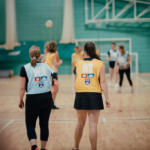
<point x="128" y="62"/>
<point x="43" y="60"/>
<point x="57" y="64"/>
<point x="104" y="85"/>
<point x="22" y="91"/>
<point x="41" y="56"/>
<point x="72" y="64"/>
<point x="116" y="62"/>
<point x="108" y="56"/>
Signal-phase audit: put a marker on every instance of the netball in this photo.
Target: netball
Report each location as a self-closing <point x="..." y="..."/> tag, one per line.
<point x="49" y="23"/>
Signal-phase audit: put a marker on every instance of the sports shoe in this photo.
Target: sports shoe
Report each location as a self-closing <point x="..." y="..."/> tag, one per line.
<point x="36" y="149"/>
<point x="75" y="148"/>
<point x="55" y="107"/>
<point x="116" y="85"/>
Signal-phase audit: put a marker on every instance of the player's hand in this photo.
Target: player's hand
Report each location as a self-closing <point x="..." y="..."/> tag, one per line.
<point x="21" y="104"/>
<point x="72" y="70"/>
<point x="60" y="61"/>
<point x="125" y="66"/>
<point x="108" y="103"/>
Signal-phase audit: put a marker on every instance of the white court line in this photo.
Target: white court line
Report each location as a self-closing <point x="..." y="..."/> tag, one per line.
<point x="74" y="119"/>
<point x="52" y="122"/>
<point x="6" y="125"/>
<point x="142" y="80"/>
<point x="104" y="119"/>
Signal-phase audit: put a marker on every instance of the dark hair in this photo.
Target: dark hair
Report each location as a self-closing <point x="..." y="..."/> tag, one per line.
<point x="34" y="53"/>
<point x="76" y="47"/>
<point x="51" y="46"/>
<point x="122" y="48"/>
<point x="90" y="48"/>
<point x="113" y="43"/>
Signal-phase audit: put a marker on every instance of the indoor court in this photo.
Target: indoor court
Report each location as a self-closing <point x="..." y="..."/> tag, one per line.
<point x="62" y="30"/>
<point x="126" y="125"/>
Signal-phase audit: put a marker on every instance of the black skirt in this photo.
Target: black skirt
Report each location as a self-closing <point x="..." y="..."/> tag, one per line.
<point x="88" y="101"/>
<point x="54" y="76"/>
<point x="112" y="64"/>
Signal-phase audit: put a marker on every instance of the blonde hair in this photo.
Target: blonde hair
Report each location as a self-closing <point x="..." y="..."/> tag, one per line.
<point x="123" y="50"/>
<point x="51" y="46"/>
<point x="34" y="53"/>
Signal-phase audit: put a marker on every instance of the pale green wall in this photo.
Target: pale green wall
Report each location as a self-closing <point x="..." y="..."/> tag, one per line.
<point x="138" y="32"/>
<point x="32" y="14"/>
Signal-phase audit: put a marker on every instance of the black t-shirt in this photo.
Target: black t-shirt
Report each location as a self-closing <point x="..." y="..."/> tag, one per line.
<point x="24" y="74"/>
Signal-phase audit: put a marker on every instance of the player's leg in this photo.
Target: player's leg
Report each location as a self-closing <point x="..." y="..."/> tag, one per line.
<point x="31" y="114"/>
<point x="116" y="75"/>
<point x="111" y="71"/>
<point x="121" y="72"/>
<point x="54" y="89"/>
<point x="82" y="114"/>
<point x="44" y="122"/>
<point x="93" y="121"/>
<point x="127" y="71"/>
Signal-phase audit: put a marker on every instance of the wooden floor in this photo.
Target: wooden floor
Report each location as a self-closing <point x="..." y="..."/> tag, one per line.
<point x="124" y="126"/>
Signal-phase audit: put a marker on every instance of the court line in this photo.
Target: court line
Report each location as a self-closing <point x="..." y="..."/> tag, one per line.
<point x="6" y="125"/>
<point x="104" y="119"/>
<point x="142" y="80"/>
<point x="21" y="122"/>
<point x="74" y="119"/>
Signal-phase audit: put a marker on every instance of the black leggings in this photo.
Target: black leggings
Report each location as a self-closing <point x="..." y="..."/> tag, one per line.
<point x="121" y="72"/>
<point x="34" y="109"/>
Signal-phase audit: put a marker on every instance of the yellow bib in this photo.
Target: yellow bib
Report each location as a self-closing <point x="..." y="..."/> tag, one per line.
<point x="77" y="58"/>
<point x="88" y="76"/>
<point x="49" y="60"/>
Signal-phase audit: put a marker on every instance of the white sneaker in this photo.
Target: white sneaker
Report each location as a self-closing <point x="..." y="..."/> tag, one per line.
<point x="116" y="85"/>
<point x="109" y="83"/>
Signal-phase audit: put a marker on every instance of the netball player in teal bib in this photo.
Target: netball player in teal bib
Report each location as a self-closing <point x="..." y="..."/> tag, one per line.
<point x="35" y="78"/>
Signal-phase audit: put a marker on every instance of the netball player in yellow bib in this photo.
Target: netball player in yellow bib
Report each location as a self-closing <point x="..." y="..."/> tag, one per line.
<point x="90" y="83"/>
<point x="77" y="56"/>
<point x="52" y="59"/>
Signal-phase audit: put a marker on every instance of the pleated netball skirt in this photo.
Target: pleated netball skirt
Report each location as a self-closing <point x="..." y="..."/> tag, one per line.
<point x="88" y="101"/>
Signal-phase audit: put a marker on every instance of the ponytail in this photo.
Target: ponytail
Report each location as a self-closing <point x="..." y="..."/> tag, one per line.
<point x="34" y="53"/>
<point x="90" y="48"/>
<point x="33" y="61"/>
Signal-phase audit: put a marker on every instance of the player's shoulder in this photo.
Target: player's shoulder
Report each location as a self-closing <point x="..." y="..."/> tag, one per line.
<point x="74" y="54"/>
<point x="99" y="62"/>
<point x="81" y="53"/>
<point x="127" y="52"/>
<point x="27" y="65"/>
<point x="45" y="65"/>
<point x="80" y="62"/>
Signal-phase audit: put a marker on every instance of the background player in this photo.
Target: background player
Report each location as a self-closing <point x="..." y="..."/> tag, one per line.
<point x="35" y="78"/>
<point x="89" y="85"/>
<point x="111" y="56"/>
<point x="123" y="60"/>
<point x="52" y="59"/>
<point x="77" y="56"/>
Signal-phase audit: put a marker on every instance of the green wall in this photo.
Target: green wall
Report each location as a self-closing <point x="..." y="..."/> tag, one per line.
<point x="31" y="17"/>
<point x="2" y="21"/>
<point x="138" y="32"/>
